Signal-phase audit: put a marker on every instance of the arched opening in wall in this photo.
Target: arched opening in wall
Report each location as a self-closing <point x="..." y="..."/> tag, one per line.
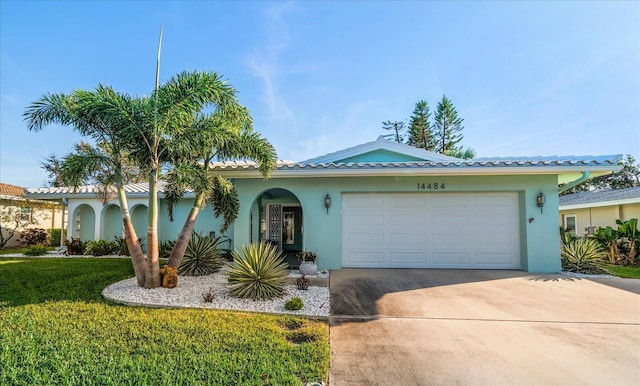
<point x="276" y="216"/>
<point x="111" y="222"/>
<point x="84" y="222"/>
<point x="139" y="220"/>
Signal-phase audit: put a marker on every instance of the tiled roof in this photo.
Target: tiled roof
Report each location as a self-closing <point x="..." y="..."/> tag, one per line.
<point x="11" y="190"/>
<point x="142" y="187"/>
<point x="132" y="190"/>
<point x="599" y="196"/>
<point x="610" y="160"/>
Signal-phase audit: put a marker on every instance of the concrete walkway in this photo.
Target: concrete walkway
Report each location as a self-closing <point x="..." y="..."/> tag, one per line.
<point x="459" y="327"/>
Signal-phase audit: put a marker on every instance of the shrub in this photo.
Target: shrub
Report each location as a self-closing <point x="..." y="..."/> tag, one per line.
<point x="33" y="236"/>
<point x="293" y="304"/>
<point x="164" y="248"/>
<point x="204" y="255"/>
<point x="259" y="273"/>
<point x="55" y="235"/>
<point x="583" y="256"/>
<point x="302" y="283"/>
<point x="36" y="250"/>
<point x="75" y="246"/>
<point x="123" y="248"/>
<point x="102" y="247"/>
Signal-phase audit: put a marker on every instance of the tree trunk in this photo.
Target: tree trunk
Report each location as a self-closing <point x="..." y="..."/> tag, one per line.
<point x="152" y="279"/>
<point x="177" y="253"/>
<point x="131" y="238"/>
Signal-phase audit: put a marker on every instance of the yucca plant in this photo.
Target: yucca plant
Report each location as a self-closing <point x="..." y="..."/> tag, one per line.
<point x="204" y="255"/>
<point x="259" y="273"/>
<point x="583" y="256"/>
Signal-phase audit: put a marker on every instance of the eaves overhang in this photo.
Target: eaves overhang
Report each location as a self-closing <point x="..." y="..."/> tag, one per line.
<point x="250" y="170"/>
<point x="600" y="204"/>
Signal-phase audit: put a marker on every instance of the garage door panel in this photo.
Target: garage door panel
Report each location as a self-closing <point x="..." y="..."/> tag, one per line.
<point x="445" y="219"/>
<point x="366" y="257"/>
<point x="360" y="220"/>
<point x="492" y="220"/>
<point x="501" y="259"/>
<point x="449" y="201"/>
<point x="367" y="202"/>
<point x="451" y="258"/>
<point x="438" y="230"/>
<point x="366" y="239"/>
<point x="451" y="240"/>
<point x="408" y="240"/>
<point x="407" y="220"/>
<point x="411" y="258"/>
<point x="403" y="202"/>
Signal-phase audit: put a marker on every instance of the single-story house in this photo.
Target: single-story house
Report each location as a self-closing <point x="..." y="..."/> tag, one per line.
<point x="18" y="213"/>
<point x="581" y="213"/>
<point x="379" y="204"/>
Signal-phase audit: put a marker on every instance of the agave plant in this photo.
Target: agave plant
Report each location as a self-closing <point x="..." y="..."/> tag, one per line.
<point x="584" y="256"/>
<point x="259" y="273"/>
<point x="204" y="255"/>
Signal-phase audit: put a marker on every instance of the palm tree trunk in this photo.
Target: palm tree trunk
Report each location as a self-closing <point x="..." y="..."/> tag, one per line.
<point x="152" y="279"/>
<point x="177" y="253"/>
<point x="133" y="244"/>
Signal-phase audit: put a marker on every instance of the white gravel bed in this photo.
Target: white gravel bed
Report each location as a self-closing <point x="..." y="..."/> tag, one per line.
<point x="586" y="276"/>
<point x="189" y="292"/>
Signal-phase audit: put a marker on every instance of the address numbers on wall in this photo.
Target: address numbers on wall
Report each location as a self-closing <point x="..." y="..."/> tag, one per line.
<point x="431" y="186"/>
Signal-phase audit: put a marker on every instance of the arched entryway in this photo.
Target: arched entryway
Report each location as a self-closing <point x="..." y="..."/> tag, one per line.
<point x="276" y="216"/>
<point x="111" y="222"/>
<point x="84" y="222"/>
<point x="139" y="220"/>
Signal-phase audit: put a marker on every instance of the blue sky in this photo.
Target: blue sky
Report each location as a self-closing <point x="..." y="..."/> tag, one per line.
<point x="529" y="78"/>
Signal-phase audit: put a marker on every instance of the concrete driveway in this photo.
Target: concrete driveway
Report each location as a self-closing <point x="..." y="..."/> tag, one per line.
<point x="464" y="327"/>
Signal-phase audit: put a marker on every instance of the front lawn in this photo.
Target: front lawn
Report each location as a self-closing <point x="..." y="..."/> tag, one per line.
<point x="629" y="271"/>
<point x="57" y="329"/>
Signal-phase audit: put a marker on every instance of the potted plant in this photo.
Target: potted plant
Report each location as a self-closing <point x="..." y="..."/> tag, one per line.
<point x="307" y="262"/>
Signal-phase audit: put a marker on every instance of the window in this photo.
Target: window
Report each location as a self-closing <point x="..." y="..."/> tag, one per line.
<point x="25" y="214"/>
<point x="570" y="223"/>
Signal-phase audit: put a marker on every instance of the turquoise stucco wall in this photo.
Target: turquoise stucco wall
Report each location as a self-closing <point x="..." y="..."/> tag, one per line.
<point x="205" y="222"/>
<point x="540" y="240"/>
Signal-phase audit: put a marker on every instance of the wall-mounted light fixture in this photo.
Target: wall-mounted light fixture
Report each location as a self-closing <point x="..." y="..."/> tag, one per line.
<point x="327" y="202"/>
<point x="540" y="200"/>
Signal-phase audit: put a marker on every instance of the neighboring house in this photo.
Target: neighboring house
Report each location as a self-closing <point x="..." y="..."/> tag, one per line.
<point x="28" y="212"/>
<point x="581" y="213"/>
<point x="380" y="204"/>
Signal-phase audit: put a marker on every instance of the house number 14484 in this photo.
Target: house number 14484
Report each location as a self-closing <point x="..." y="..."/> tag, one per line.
<point x="430" y="186"/>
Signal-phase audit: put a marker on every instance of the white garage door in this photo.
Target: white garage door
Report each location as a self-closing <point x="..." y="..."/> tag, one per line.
<point x="436" y="230"/>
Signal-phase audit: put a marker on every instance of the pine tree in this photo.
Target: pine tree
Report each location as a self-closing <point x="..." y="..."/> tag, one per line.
<point x="420" y="132"/>
<point x="447" y="126"/>
<point x="397" y="129"/>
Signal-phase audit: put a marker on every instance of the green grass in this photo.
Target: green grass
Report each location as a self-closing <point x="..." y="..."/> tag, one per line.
<point x="629" y="272"/>
<point x="56" y="329"/>
<point x="16" y="250"/>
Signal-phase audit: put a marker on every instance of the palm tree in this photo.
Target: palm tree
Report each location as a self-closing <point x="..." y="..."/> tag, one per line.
<point x="167" y="113"/>
<point x="227" y="134"/>
<point x="78" y="110"/>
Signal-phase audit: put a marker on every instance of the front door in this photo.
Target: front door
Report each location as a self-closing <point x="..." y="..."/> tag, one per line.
<point x="292" y="229"/>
